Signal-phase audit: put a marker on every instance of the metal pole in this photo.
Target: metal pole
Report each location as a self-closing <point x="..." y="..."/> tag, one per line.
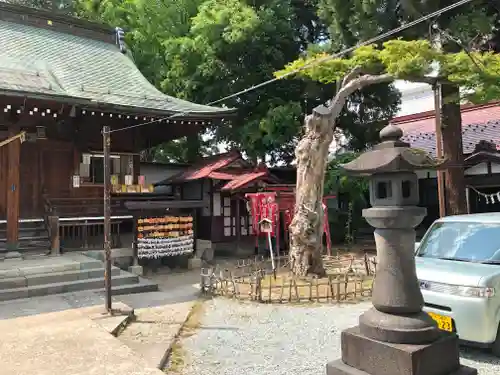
<point x="439" y="149"/>
<point x="106" y="144"/>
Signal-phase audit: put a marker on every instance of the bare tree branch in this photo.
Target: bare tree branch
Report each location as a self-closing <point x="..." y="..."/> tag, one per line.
<point x="354" y="73"/>
<point x="338" y="102"/>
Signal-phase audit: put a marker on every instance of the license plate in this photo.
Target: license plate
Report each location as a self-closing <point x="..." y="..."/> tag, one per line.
<point x="443" y="322"/>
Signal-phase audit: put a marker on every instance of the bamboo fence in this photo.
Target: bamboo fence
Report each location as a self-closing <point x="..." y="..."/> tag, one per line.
<point x="348" y="280"/>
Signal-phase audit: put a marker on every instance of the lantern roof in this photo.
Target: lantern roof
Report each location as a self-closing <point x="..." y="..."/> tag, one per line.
<point x="391" y="155"/>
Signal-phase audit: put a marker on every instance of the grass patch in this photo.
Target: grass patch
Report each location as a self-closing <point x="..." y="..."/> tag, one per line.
<point x="176" y="360"/>
<point x="193" y="321"/>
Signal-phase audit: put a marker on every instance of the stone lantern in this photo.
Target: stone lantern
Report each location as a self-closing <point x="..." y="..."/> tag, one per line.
<point x="395" y="336"/>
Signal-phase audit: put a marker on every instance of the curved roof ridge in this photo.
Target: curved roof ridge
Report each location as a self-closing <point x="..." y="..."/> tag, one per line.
<point x="88" y="70"/>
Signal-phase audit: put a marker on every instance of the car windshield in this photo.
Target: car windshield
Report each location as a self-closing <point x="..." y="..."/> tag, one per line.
<point x="471" y="242"/>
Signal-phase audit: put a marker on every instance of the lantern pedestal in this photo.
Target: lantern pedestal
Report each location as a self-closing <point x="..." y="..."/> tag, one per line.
<point x="364" y="356"/>
<point x="396" y="337"/>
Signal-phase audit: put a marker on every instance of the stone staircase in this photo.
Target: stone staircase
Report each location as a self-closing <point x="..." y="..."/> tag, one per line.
<point x="33" y="236"/>
<point x="41" y="275"/>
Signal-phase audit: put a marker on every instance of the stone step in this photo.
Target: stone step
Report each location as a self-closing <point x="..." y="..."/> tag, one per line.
<point x="31" y="238"/>
<point x="117" y="283"/>
<point x="25" y="268"/>
<point x="143" y="286"/>
<point x="24" y="224"/>
<point x="54" y="277"/>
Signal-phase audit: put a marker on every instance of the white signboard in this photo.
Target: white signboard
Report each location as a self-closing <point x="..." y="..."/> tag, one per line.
<point x="129" y="180"/>
<point x="76" y="181"/>
<point x="86" y="159"/>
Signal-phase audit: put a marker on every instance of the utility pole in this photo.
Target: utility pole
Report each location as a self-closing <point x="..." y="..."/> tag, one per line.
<point x="439" y="149"/>
<point x="106" y="145"/>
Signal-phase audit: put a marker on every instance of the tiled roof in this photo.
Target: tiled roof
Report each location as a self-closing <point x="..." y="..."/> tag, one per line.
<point x="37" y="61"/>
<point x="478" y="123"/>
<point x="243" y="180"/>
<point x="204" y="168"/>
<point x="225" y="175"/>
<point x="220" y="167"/>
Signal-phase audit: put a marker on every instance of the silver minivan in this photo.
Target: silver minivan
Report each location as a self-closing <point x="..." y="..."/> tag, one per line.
<point x="458" y="268"/>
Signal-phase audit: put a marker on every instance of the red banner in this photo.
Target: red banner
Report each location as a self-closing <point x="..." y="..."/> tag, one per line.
<point x="264" y="206"/>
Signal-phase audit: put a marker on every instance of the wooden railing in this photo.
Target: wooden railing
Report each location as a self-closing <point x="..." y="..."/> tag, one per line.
<point x="79" y="207"/>
<point x="81" y="223"/>
<point x="87" y="233"/>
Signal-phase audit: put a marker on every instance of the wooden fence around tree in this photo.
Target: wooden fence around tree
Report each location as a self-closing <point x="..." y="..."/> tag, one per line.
<point x="348" y="280"/>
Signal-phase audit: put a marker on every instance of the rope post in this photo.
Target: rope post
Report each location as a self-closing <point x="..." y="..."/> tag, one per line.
<point x="106" y="143"/>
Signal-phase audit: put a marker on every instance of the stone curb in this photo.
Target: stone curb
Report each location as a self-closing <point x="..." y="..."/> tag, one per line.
<point x="115" y="323"/>
<point x="166" y="357"/>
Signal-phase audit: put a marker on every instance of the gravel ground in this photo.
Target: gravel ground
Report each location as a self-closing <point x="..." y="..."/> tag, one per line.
<point x="243" y="338"/>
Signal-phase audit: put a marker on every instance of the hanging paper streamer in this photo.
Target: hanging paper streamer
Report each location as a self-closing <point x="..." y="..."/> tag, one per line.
<point x="489" y="198"/>
<point x="164" y="236"/>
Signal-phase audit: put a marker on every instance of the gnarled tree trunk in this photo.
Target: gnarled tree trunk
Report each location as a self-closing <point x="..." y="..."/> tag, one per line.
<point x="306" y="229"/>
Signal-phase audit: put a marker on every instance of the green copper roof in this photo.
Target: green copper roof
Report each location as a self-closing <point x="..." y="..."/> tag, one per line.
<point x="42" y="62"/>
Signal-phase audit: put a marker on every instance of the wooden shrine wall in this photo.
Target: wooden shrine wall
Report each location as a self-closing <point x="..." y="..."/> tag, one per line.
<point x="3" y="182"/>
<point x="46" y="166"/>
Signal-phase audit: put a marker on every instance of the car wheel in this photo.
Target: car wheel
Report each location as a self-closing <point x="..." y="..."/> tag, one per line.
<point x="495" y="349"/>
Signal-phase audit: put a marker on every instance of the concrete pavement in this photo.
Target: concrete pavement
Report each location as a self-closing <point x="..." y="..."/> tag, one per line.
<point x="65" y="343"/>
<point x="67" y="334"/>
<point x="174" y="288"/>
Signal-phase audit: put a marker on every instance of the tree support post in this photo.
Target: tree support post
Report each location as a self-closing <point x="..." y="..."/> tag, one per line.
<point x="439" y="149"/>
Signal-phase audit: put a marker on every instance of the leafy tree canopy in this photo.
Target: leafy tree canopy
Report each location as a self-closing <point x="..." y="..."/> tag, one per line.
<point x="476" y="72"/>
<point x="202" y="50"/>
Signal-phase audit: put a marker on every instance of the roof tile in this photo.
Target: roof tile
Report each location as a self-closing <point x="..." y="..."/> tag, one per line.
<point x="478" y="123"/>
<point x="42" y="61"/>
<point x="243" y="180"/>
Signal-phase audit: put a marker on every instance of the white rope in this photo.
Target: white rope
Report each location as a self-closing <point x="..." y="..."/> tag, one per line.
<point x="490" y="198"/>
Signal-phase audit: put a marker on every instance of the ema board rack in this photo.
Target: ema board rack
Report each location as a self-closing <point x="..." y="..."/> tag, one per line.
<point x="163" y="236"/>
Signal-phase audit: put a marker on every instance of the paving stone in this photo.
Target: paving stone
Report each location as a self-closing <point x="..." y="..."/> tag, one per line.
<point x="65" y="343"/>
<point x="13" y="283"/>
<point x="154" y="329"/>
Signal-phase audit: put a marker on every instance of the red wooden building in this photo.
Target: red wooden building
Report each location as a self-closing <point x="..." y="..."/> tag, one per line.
<point x="61" y="81"/>
<point x="481" y="145"/>
<point x="221" y="181"/>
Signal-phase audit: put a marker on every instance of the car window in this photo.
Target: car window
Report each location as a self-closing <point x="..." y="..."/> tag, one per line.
<point x="462" y="241"/>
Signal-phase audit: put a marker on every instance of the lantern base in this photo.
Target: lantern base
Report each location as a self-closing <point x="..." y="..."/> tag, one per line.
<point x="418" y="328"/>
<point x="364" y="356"/>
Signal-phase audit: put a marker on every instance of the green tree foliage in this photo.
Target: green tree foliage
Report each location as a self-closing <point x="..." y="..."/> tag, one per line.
<point x="61" y="6"/>
<point x="352" y="190"/>
<point x="202" y="50"/>
<point x="412" y="61"/>
<point x="474" y="26"/>
<point x="358" y="20"/>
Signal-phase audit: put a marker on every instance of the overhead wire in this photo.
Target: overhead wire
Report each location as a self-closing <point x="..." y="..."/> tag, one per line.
<point x="311" y="64"/>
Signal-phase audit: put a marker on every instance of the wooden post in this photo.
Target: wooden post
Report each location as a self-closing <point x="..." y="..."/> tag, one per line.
<point x="467" y="197"/>
<point x="106" y="143"/>
<point x="439" y="149"/>
<point x="237" y="223"/>
<point x="13" y="160"/>
<point x="55" y="242"/>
